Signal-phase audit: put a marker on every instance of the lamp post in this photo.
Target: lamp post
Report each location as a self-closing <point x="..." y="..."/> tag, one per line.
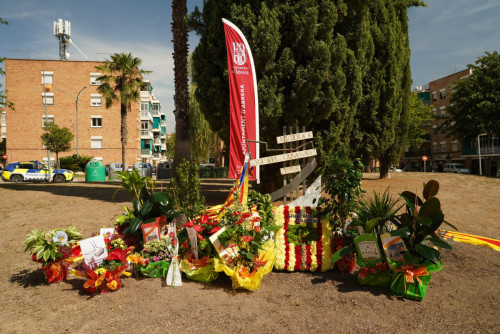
<point x="479" y="152"/>
<point x="76" y="107"/>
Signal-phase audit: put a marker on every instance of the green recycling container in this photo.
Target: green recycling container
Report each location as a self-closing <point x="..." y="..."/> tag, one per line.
<point x="95" y="172"/>
<point x="206" y="172"/>
<point x="221" y="172"/>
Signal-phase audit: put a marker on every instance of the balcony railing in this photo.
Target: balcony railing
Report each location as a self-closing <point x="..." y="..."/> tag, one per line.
<point x="145" y="151"/>
<point x="147" y="133"/>
<point x="484" y="150"/>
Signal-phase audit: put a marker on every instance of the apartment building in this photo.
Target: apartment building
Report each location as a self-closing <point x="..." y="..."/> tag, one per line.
<point x="69" y="99"/>
<point x="153" y="123"/>
<point x="439" y="147"/>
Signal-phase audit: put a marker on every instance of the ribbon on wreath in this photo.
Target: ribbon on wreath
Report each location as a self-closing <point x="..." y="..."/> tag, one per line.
<point x="379" y="267"/>
<point x="409" y="273"/>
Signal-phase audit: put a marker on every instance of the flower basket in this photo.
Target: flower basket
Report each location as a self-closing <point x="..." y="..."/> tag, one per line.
<point x="411" y="281"/>
<point x="202" y="270"/>
<point x="347" y="263"/>
<point x="156" y="269"/>
<point x="377" y="275"/>
<point x="304" y="241"/>
<point x="56" y="271"/>
<point x="241" y="277"/>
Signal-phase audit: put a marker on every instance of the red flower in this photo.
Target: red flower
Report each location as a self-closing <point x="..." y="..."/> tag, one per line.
<point x="236" y="213"/>
<point x="212" y="222"/>
<point x="255" y="219"/>
<point x="203" y="219"/>
<point x="214" y="229"/>
<point x="257" y="229"/>
<point x="200" y="237"/>
<point x="241" y="220"/>
<point x="118" y="254"/>
<point x="174" y="242"/>
<point x="198" y="228"/>
<point x="189" y="224"/>
<point x="247" y="238"/>
<point x="246" y="215"/>
<point x="184" y="244"/>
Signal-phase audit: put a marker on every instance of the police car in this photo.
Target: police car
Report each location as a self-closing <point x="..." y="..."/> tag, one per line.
<point x="34" y="171"/>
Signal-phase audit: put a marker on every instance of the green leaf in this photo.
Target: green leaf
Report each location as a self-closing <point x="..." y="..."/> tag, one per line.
<point x="39" y="255"/>
<point x="250" y="256"/>
<point x="134" y="225"/>
<point x="428" y="252"/>
<point x="430" y="208"/>
<point x="161" y="198"/>
<point x="423" y="220"/>
<point x="449" y="224"/>
<point x="371" y="224"/>
<point x="403" y="232"/>
<point x="341" y="253"/>
<point x="146" y="208"/>
<point x="46" y="255"/>
<point x="440" y="243"/>
<point x="431" y="188"/>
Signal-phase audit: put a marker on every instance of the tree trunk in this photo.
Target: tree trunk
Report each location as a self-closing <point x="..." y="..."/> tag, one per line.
<point x="181" y="98"/>
<point x="384" y="165"/>
<point x="124" y="134"/>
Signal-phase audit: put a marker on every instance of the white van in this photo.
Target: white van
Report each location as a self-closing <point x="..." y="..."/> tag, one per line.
<point x="455" y="168"/>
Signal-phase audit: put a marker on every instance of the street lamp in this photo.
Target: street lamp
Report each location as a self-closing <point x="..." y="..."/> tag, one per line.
<point x="479" y="152"/>
<point x="76" y="104"/>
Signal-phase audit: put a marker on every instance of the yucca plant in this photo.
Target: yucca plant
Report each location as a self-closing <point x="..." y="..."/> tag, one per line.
<point x="375" y="213"/>
<point x="42" y="246"/>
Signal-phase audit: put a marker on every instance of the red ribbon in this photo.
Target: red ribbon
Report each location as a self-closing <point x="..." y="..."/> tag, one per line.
<point x="410" y="272"/>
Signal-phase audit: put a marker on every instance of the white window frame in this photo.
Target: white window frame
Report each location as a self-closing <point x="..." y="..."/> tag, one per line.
<point x="48" y="98"/>
<point x="49" y="77"/>
<point x="434" y="96"/>
<point x="442" y="94"/>
<point x="93" y="79"/>
<point x="435" y="147"/>
<point x="443" y="111"/>
<point x="93" y="100"/>
<point x="93" y="142"/>
<point x="92" y="117"/>
<point x="454" y="145"/>
<point x="441" y="146"/>
<point x="434" y="111"/>
<point x="44" y="120"/>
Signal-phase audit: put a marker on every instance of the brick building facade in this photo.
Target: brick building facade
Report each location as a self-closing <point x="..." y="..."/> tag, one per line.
<point x="98" y="127"/>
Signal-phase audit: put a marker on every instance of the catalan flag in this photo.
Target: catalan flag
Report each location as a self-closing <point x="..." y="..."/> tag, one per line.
<point x="241" y="184"/>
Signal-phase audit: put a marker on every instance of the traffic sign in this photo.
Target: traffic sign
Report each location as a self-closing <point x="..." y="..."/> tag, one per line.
<point x="424" y="158"/>
<point x="4" y="156"/>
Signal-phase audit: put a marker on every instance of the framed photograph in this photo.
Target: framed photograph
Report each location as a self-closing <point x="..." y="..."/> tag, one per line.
<point x="94" y="250"/>
<point x="151" y="231"/>
<point x="225" y="251"/>
<point x="394" y="247"/>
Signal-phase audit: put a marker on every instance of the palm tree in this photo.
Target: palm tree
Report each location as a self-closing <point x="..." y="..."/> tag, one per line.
<point x="122" y="83"/>
<point x="181" y="97"/>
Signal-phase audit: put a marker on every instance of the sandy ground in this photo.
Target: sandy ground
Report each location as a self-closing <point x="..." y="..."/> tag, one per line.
<point x="463" y="298"/>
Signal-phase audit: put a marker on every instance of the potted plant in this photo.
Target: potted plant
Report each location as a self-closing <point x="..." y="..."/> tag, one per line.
<point x="54" y="250"/>
<point x="418" y="227"/>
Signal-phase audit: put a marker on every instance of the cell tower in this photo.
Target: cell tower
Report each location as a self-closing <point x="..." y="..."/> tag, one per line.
<point x="62" y="31"/>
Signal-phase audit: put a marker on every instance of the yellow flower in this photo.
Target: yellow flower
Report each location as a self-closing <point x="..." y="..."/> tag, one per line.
<point x="100" y="271"/>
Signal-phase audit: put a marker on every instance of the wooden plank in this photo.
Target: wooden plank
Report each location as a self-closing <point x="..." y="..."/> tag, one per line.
<point x="283" y="157"/>
<point x="290" y="169"/>
<point x="294" y="137"/>
<point x="306" y="171"/>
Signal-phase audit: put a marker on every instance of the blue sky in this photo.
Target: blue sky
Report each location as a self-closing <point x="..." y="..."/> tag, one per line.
<point x="444" y="37"/>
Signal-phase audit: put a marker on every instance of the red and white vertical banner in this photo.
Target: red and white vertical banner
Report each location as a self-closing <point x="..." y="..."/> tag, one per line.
<point x="243" y="101"/>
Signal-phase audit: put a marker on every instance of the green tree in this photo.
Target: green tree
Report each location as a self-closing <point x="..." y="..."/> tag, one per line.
<point x="419" y="121"/>
<point x="57" y="139"/>
<point x="170" y="143"/>
<point x="121" y="83"/>
<point x="475" y="102"/>
<point x="181" y="97"/>
<point x="4" y="102"/>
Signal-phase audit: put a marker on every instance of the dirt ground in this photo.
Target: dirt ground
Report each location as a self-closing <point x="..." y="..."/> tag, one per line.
<point x="463" y="298"/>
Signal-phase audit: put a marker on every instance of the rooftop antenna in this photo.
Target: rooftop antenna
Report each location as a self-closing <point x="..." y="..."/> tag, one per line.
<point x="62" y="31"/>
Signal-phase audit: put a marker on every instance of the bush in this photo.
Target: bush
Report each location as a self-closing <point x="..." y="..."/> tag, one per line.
<point x="74" y="163"/>
<point x="185" y="188"/>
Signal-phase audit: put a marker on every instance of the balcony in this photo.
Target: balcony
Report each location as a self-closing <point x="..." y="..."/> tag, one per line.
<point x="156" y="155"/>
<point x="145" y="151"/>
<point x="145" y="134"/>
<point x="146" y="116"/>
<point x="157" y="141"/>
<point x="156" y="130"/>
<point x="484" y="150"/>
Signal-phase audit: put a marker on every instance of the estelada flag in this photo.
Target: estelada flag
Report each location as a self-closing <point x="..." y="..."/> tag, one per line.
<point x="243" y="101"/>
<point x="241" y="185"/>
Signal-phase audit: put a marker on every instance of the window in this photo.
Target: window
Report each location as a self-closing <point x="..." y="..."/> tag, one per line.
<point x="443" y="111"/>
<point x="95" y="100"/>
<point x="96" y="121"/>
<point x="442" y="94"/>
<point x="26" y="166"/>
<point x="93" y="79"/>
<point x="443" y="146"/>
<point x="434" y="96"/>
<point x="48" y="120"/>
<point x="434" y="111"/>
<point x="47" y="77"/>
<point x="96" y="142"/>
<point x="48" y="98"/>
<point x="434" y="147"/>
<point x="144" y="106"/>
<point x="454" y="145"/>
<point x="145" y="126"/>
<point x="434" y="130"/>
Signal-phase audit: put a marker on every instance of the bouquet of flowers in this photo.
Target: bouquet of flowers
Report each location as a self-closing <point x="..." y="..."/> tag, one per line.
<point x="55" y="250"/>
<point x="198" y="252"/>
<point x="102" y="277"/>
<point x="246" y="249"/>
<point x="158" y="257"/>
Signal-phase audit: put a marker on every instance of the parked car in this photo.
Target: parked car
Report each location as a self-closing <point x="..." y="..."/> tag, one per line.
<point x="411" y="168"/>
<point x="454" y="167"/>
<point x="395" y="169"/>
<point x="34" y="171"/>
